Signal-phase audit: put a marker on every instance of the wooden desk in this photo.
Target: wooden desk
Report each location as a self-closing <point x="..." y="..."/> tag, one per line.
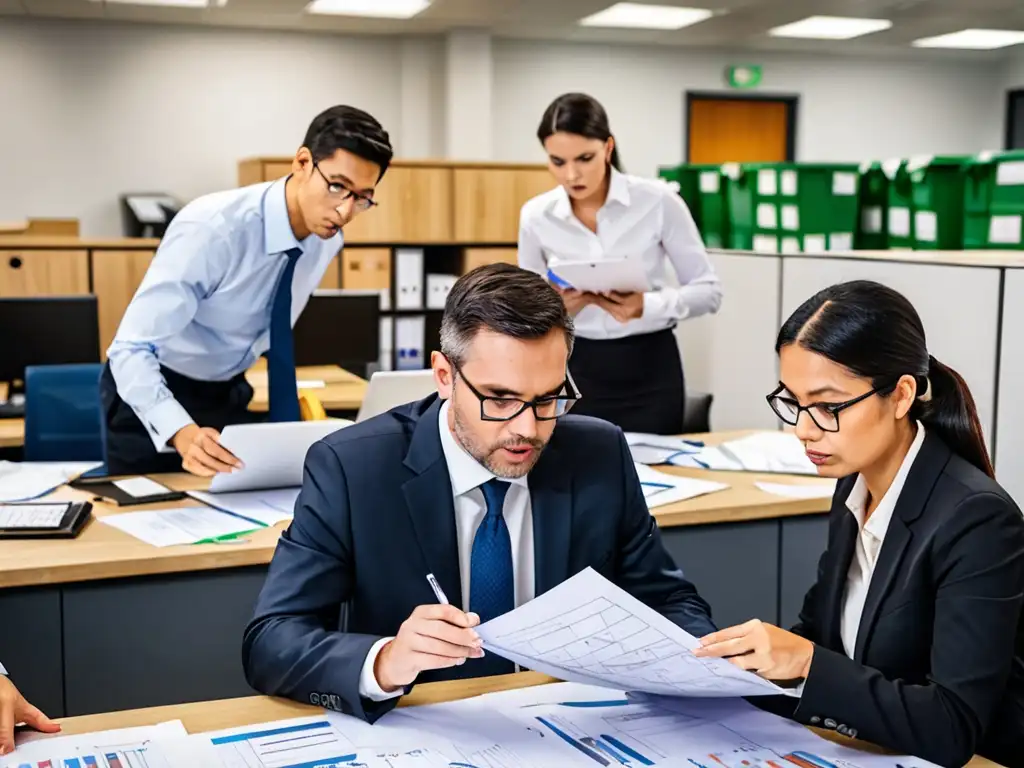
<point x="344" y="391"/>
<point x="74" y="595"/>
<point x="236" y="713"/>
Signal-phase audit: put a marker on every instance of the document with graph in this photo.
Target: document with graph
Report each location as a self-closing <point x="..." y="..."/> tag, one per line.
<point x="159" y="746"/>
<point x="587" y="630"/>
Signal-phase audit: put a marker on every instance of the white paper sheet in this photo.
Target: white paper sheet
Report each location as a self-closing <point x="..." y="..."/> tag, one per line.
<point x="602" y="276"/>
<point x="844" y="184"/>
<point x="767" y="182"/>
<point x="661" y="488"/>
<point x="156" y="746"/>
<point x="767" y="216"/>
<point x="273" y="453"/>
<point x="22" y="481"/>
<point x="171" y="527"/>
<point x="790" y="217"/>
<point x="140" y="487"/>
<point x="268" y="507"/>
<point x="613" y="640"/>
<point x="790" y="491"/>
<point x="657" y="449"/>
<point x="1010" y="173"/>
<point x="780" y="452"/>
<point x="709" y="182"/>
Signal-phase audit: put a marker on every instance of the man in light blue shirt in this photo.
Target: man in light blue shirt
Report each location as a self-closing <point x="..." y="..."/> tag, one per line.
<point x="232" y="274"/>
<point x="13" y="710"/>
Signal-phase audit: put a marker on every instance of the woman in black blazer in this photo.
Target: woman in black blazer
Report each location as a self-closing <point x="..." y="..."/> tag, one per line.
<point x="912" y="636"/>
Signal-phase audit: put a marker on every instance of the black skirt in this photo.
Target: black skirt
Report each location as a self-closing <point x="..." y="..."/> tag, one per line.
<point x="634" y="382"/>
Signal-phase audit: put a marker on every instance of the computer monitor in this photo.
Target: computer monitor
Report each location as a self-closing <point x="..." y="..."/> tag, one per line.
<point x="47" y="330"/>
<point x="339" y="328"/>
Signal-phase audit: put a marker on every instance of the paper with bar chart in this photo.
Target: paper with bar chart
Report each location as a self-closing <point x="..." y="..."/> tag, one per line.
<point x="611" y="639"/>
<point x="161" y="746"/>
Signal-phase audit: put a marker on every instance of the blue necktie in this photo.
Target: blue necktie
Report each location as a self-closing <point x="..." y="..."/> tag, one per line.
<point x="491" y="580"/>
<point x="284" y="392"/>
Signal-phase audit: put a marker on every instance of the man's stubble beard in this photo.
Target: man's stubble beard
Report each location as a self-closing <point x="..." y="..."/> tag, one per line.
<point x="486" y="456"/>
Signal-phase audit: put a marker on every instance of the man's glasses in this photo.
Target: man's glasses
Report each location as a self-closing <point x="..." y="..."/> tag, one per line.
<point x="824" y="415"/>
<point x="341" y="192"/>
<point x="545" y="408"/>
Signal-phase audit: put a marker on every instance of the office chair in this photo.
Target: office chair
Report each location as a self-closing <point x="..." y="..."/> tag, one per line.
<point x="697" y="412"/>
<point x="63" y="418"/>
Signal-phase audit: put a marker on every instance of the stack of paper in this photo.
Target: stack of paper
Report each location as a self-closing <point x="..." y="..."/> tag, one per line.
<point x="661" y="488"/>
<point x="659" y="449"/>
<point x="761" y="452"/>
<point x="22" y="481"/>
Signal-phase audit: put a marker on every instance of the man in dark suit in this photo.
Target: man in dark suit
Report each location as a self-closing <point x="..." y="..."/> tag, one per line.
<point x="489" y="487"/>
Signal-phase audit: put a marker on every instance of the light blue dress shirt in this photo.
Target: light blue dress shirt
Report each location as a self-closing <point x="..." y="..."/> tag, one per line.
<point x="203" y="308"/>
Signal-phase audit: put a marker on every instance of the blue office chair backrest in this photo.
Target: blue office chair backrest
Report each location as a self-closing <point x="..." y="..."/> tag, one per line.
<point x="63" y="420"/>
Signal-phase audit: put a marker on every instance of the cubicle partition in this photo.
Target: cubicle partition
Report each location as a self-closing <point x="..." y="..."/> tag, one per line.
<point x="971" y="304"/>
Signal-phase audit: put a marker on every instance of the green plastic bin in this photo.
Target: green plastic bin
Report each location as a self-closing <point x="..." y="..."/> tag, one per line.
<point x="926" y="203"/>
<point x="792" y="207"/>
<point x="994" y="201"/>
<point x="702" y="187"/>
<point x="872" y="209"/>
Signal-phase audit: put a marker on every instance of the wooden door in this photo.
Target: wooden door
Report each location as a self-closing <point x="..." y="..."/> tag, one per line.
<point x="738" y="131"/>
<point x="43" y="273"/>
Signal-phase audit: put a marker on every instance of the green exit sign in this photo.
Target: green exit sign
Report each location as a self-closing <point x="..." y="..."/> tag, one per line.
<point x="744" y="75"/>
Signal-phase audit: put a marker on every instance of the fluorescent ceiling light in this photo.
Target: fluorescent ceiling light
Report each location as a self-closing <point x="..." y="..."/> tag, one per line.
<point x="974" y="39"/>
<point x="384" y="9"/>
<point x="638" y="16"/>
<point x="830" y="28"/>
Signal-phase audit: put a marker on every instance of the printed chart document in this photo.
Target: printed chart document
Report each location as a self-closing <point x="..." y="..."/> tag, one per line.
<point x="268" y="507"/>
<point x="26" y="480"/>
<point x="159" y="746"/>
<point x="661" y="488"/>
<point x="611" y="639"/>
<point x="780" y="452"/>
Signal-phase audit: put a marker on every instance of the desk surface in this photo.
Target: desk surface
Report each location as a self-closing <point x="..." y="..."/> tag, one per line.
<point x="343" y="391"/>
<point x="103" y="552"/>
<point x="235" y="713"/>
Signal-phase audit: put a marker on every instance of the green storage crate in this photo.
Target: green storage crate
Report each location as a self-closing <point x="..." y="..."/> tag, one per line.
<point x="926" y="203"/>
<point x="994" y="201"/>
<point x="872" y="209"/>
<point x="702" y="187"/>
<point x="792" y="207"/>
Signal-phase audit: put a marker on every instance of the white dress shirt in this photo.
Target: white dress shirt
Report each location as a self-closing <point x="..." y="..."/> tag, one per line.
<point x="869" y="543"/>
<point x="2" y="670"/>
<point x="641" y="219"/>
<point x="467" y="475"/>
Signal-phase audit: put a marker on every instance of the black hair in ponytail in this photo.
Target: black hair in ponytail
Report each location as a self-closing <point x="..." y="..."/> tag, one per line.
<point x="580" y="114"/>
<point x="875" y="332"/>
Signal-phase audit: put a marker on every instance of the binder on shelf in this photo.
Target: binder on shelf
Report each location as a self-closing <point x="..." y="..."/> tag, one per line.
<point x="438" y="288"/>
<point x="410" y="334"/>
<point x="387" y="344"/>
<point x="409" y="278"/>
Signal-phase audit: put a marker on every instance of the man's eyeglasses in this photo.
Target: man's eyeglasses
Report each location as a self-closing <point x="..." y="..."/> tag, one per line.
<point x="341" y="192"/>
<point x="545" y="408"/>
<point x="824" y="415"/>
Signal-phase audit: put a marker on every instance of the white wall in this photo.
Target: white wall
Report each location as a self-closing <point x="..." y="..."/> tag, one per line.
<point x="1013" y="72"/>
<point x="849" y="110"/>
<point x="94" y="110"/>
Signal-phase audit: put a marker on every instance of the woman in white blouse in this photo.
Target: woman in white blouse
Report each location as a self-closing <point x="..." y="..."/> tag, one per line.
<point x="626" y="361"/>
<point x="912" y="637"/>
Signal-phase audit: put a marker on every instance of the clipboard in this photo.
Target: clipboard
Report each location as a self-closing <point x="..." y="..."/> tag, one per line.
<point x="601" y="276"/>
<point x="44" y="520"/>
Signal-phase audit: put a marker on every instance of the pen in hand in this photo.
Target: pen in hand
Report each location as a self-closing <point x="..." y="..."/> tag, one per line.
<point x="438" y="592"/>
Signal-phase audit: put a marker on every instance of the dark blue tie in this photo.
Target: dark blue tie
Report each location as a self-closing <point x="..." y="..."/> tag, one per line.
<point x="491" y="580"/>
<point x="284" y="392"/>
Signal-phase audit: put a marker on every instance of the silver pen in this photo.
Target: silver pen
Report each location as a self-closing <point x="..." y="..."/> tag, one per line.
<point x="438" y="592"/>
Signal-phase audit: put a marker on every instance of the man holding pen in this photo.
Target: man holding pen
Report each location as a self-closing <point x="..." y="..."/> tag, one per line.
<point x="416" y="526"/>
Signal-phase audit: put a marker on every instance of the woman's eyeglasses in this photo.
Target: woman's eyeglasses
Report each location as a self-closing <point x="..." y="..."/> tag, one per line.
<point x="824" y="415"/>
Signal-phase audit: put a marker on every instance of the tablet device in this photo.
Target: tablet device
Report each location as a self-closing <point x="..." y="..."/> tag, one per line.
<point x="44" y="520"/>
<point x="602" y="276"/>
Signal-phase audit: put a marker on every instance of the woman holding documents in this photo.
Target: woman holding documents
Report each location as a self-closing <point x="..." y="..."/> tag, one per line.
<point x="631" y="230"/>
<point x="912" y="635"/>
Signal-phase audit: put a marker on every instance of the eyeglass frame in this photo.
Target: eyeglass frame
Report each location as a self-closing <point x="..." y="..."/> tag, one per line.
<point x="832" y="408"/>
<point x="569" y="384"/>
<point x="346" y="193"/>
